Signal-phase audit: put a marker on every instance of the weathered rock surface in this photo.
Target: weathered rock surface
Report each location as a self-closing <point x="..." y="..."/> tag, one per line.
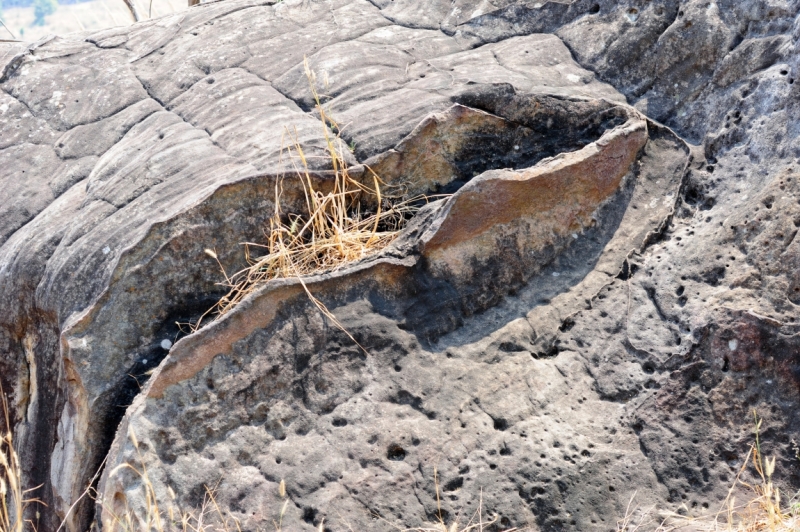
<point x="594" y="313"/>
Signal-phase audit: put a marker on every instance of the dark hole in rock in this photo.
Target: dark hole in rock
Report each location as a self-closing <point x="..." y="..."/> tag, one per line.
<point x="309" y="514"/>
<point x="339" y="422"/>
<point x="714" y="276"/>
<point x="454" y="484"/>
<point x="120" y="395"/>
<point x="794" y="293"/>
<point x="500" y="424"/>
<point x="404" y="397"/>
<point x="396" y="453"/>
<point x="627" y="270"/>
<point x="594" y="9"/>
<point x="511" y="347"/>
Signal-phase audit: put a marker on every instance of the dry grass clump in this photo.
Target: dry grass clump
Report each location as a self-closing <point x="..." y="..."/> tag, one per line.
<point x="12" y="496"/>
<point x="337" y="227"/>
<point x="477" y="522"/>
<point x="763" y="511"/>
<point x="153" y="518"/>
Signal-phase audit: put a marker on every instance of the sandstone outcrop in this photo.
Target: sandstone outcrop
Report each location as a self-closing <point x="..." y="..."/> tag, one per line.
<point x="610" y="290"/>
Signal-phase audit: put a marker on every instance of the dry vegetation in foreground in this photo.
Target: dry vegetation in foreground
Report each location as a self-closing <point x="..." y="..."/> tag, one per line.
<point x="12" y="497"/>
<point x="764" y="510"/>
<point x="339" y="227"/>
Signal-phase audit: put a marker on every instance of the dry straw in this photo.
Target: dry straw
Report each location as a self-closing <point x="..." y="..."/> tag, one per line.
<point x="153" y="518"/>
<point x="763" y="511"/>
<point x="340" y="226"/>
<point x="12" y="496"/>
<point x="14" y="499"/>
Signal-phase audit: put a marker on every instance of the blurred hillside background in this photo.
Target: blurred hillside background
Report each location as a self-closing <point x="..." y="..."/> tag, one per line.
<point x="30" y="20"/>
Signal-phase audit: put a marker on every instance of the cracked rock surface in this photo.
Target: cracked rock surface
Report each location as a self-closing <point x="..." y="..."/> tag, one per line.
<point x="610" y="291"/>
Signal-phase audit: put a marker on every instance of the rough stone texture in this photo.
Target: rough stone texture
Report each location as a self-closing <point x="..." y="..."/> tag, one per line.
<point x="556" y="383"/>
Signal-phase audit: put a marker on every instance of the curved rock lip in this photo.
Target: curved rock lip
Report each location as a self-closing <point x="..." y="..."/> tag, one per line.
<point x="545" y="203"/>
<point x="539" y="208"/>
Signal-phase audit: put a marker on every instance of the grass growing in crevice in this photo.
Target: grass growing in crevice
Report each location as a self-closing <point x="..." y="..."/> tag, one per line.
<point x="345" y="224"/>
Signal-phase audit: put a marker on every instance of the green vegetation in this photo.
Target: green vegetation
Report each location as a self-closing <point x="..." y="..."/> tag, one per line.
<point x="41" y="9"/>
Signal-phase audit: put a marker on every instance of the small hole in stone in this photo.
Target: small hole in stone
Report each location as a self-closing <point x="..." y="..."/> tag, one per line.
<point x="396" y="453"/>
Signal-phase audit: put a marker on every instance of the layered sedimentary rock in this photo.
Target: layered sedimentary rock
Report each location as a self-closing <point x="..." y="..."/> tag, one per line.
<point x="593" y="313"/>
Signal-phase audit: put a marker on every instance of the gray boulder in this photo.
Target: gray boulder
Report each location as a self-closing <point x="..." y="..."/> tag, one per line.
<point x="593" y="314"/>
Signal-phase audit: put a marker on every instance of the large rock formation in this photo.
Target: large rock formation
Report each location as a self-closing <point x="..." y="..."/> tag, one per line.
<point x="593" y="314"/>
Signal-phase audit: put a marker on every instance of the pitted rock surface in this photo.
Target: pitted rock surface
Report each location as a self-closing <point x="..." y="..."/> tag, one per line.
<point x="548" y="348"/>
